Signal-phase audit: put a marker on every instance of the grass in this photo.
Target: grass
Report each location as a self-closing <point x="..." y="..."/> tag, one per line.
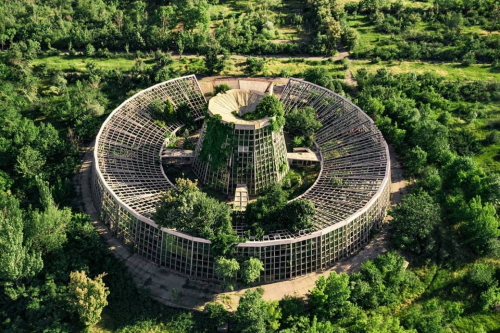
<point x="234" y="67"/>
<point x="489" y="159"/>
<point x="407" y="3"/>
<point x="78" y="63"/>
<point x="452" y="71"/>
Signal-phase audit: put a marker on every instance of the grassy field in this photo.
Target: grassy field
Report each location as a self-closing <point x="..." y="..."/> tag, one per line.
<point x="78" y="63"/>
<point x="452" y="71"/>
<point x="193" y="65"/>
<point x="407" y="3"/>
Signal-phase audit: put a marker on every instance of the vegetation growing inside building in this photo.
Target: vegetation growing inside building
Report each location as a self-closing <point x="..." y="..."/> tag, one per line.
<point x="217" y="142"/>
<point x="271" y="107"/>
<point x="272" y="211"/>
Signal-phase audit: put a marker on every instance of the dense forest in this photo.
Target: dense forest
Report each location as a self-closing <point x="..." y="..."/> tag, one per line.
<point x="56" y="275"/>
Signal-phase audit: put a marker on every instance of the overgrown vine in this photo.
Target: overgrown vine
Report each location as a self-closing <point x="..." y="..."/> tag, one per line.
<point x="217" y="146"/>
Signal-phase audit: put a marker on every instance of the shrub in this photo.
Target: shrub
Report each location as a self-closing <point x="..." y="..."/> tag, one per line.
<point x="493" y="137"/>
<point x="221" y="88"/>
<point x="89" y="50"/>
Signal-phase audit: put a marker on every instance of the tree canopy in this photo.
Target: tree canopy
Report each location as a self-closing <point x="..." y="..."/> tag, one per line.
<point x="303" y="121"/>
<point x="414" y="221"/>
<point x="187" y="209"/>
<point x="272" y="212"/>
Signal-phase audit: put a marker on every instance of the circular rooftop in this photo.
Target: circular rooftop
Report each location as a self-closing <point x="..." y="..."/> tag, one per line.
<point x="350" y="195"/>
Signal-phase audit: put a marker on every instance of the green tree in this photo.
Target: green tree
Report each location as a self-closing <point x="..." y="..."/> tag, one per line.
<point x="414" y="221"/>
<point x="260" y="213"/>
<point x="226" y="269"/>
<point x="5" y="181"/>
<point x="298" y="215"/>
<point x="270" y="106"/>
<point x="330" y="297"/>
<point x="191" y="211"/>
<point x="18" y="259"/>
<point x="87" y="297"/>
<point x="184" y="115"/>
<point x="432" y="137"/>
<point x="217" y="313"/>
<point x="47" y="229"/>
<point x="250" y="270"/>
<point x="213" y="63"/>
<point x="197" y="15"/>
<point x="481" y="226"/>
<point x="271" y="212"/>
<point x="162" y="111"/>
<point x="166" y="15"/>
<point x="386" y="324"/>
<point x="29" y="162"/>
<point x="254" y="315"/>
<point x="255" y="65"/>
<point x="303" y="120"/>
<point x="319" y="75"/>
<point x="89" y="50"/>
<point x="351" y="38"/>
<point x="415" y="160"/>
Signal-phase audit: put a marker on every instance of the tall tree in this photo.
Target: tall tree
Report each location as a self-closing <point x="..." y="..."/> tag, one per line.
<point x="226" y="269"/>
<point x="481" y="226"/>
<point x="254" y="315"/>
<point x="87" y="297"/>
<point x="18" y="259"/>
<point x="47" y="229"/>
<point x="330" y="297"/>
<point x="250" y="270"/>
<point x="414" y="220"/>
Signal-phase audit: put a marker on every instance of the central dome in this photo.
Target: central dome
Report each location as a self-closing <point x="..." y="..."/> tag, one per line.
<point x="233" y="152"/>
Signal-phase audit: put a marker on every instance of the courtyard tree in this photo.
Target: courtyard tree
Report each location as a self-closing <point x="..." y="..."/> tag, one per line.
<point x="18" y="259"/>
<point x="303" y="121"/>
<point x="189" y="210"/>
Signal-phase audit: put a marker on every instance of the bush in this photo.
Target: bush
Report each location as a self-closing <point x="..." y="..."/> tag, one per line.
<point x="285" y="73"/>
<point x="221" y="88"/>
<point x="319" y="75"/>
<point x="493" y="137"/>
<point x="255" y="65"/>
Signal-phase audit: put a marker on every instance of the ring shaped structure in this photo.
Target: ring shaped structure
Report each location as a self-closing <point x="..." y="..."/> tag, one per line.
<point x="351" y="193"/>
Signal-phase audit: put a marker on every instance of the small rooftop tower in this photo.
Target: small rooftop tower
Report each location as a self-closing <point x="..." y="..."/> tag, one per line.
<point x="241" y="152"/>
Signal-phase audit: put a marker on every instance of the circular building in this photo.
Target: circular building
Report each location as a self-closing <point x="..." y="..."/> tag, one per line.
<point x="351" y="193"/>
<point x="254" y="155"/>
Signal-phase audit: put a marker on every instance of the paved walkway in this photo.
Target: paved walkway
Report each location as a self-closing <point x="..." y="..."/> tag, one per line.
<point x="176" y="290"/>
